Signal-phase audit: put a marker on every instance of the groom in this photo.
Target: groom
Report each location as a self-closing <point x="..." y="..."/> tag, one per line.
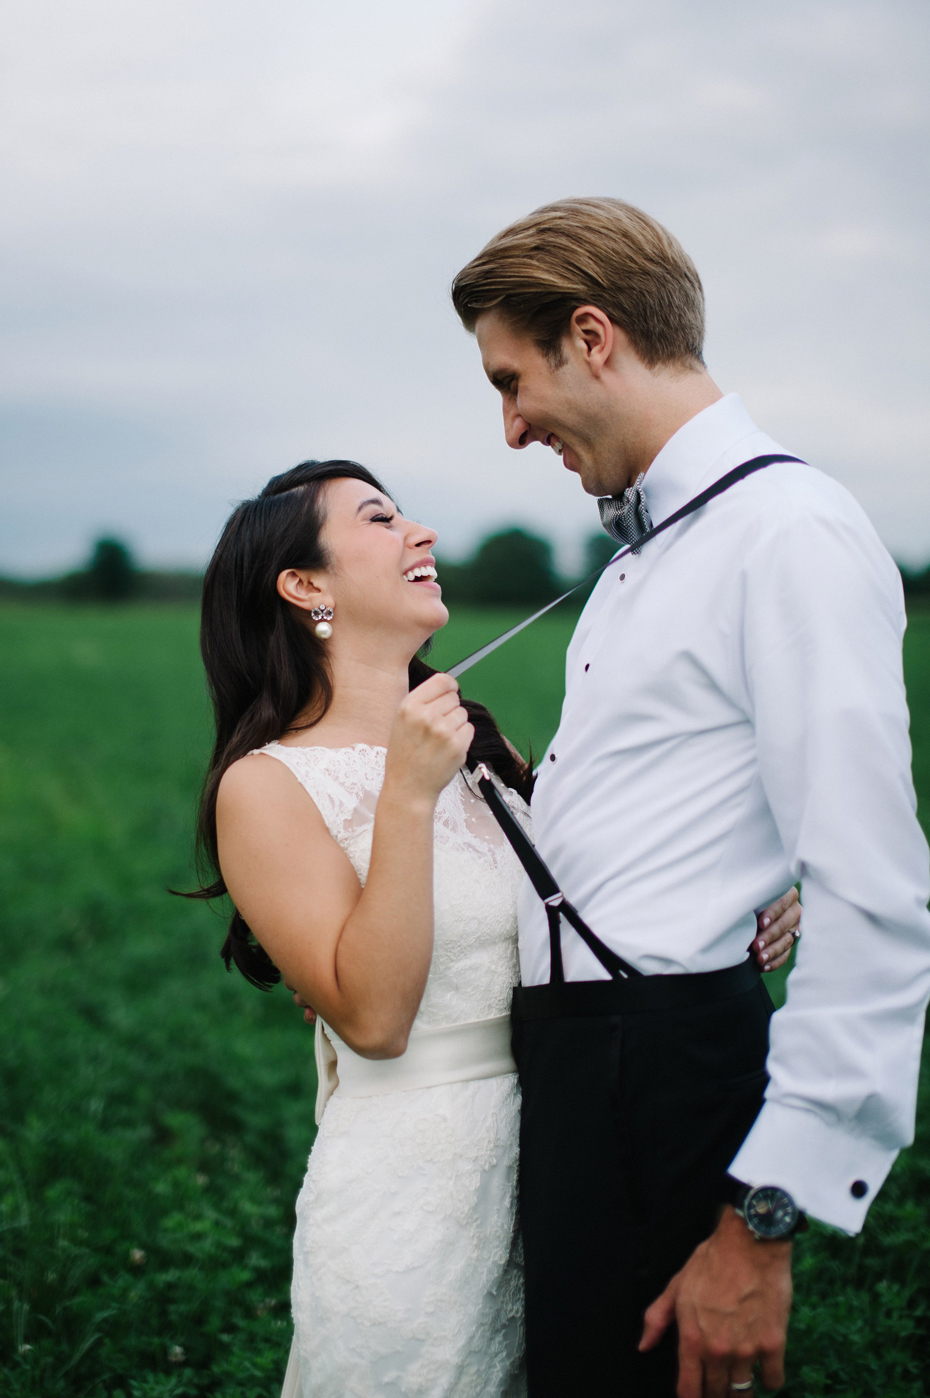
<point x="734" y="720"/>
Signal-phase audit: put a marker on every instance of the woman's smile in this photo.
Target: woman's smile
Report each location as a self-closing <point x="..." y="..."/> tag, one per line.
<point x="423" y="574"/>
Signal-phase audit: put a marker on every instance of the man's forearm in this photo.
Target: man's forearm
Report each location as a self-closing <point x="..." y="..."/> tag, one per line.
<point x="843" y="1063"/>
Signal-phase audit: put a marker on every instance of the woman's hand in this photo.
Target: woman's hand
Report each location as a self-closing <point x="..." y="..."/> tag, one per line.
<point x="777" y="931"/>
<point x="429" y="740"/>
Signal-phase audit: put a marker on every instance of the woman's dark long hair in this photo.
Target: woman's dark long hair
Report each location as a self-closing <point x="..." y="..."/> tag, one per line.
<point x="265" y="668"/>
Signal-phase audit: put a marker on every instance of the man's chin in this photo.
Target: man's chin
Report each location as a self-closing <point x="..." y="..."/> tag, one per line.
<point x="591" y="486"/>
<point x="588" y="481"/>
<point x="594" y="483"/>
<point x="579" y="471"/>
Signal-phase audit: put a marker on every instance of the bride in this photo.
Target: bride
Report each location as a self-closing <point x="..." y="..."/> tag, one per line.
<point x="365" y="870"/>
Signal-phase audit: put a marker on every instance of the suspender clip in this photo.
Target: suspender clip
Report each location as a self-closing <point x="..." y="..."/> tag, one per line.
<point x="555" y="901"/>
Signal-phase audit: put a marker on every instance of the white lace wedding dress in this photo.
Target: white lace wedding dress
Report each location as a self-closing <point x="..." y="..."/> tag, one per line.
<point x="407" y="1278"/>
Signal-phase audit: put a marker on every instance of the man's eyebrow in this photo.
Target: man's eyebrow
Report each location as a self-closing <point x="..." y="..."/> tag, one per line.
<point x="500" y="378"/>
<point x="375" y="500"/>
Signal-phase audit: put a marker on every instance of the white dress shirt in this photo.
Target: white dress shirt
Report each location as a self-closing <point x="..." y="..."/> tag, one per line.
<point x="735" y="720"/>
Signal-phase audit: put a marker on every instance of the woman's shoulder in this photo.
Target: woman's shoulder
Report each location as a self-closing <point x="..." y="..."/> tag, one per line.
<point x="343" y="782"/>
<point x="250" y="777"/>
<point x="254" y="789"/>
<point x="256" y="798"/>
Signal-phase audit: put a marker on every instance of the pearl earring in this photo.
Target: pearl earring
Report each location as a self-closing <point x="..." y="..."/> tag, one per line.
<point x="322" y="616"/>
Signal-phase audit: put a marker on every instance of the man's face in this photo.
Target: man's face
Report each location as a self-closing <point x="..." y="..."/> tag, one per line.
<point x="566" y="408"/>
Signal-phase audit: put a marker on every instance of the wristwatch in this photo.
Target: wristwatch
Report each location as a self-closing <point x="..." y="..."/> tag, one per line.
<point x="768" y="1211"/>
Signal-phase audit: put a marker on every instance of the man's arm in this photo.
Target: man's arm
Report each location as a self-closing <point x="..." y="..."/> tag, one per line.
<point x="822" y="619"/>
<point x="822" y="653"/>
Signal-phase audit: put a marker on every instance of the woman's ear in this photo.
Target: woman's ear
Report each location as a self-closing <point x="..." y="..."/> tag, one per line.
<point x="297" y="586"/>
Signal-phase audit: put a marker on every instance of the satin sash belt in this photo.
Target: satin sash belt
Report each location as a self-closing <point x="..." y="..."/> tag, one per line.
<point x="449" y="1053"/>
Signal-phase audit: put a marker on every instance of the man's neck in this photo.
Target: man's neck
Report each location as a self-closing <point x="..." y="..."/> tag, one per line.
<point x="652" y="405"/>
<point x="672" y="411"/>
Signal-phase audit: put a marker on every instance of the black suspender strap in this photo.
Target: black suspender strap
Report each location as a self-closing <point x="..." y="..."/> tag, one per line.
<point x="540" y="876"/>
<point x="737" y="474"/>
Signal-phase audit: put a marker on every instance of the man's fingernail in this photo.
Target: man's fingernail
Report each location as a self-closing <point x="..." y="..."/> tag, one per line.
<point x="765" y="956"/>
<point x="766" y="921"/>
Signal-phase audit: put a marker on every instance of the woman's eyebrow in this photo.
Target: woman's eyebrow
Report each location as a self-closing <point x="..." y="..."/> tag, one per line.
<point x="376" y="500"/>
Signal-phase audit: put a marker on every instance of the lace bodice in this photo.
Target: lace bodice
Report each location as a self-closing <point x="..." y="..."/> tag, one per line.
<point x="476" y="875"/>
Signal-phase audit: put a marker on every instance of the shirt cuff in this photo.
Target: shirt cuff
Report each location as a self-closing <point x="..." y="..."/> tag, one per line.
<point x="830" y="1173"/>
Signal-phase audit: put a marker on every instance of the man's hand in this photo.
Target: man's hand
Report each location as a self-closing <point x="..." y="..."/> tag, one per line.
<point x="731" y="1301"/>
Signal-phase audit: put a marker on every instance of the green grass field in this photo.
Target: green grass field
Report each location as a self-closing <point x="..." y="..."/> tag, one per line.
<point x="156" y="1114"/>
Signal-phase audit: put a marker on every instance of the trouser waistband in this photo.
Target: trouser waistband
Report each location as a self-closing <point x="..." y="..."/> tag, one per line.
<point x="642" y="995"/>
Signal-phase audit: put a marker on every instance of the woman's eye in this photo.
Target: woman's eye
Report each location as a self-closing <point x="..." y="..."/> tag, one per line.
<point x="382" y="519"/>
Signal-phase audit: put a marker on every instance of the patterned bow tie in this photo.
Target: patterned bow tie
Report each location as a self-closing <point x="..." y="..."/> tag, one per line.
<point x="626" y="516"/>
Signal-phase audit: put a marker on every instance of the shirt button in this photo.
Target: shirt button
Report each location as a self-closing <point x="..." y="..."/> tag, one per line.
<point x="587" y="667"/>
<point x="552" y="757"/>
<point x="858" y="1189"/>
<point x="622" y="577"/>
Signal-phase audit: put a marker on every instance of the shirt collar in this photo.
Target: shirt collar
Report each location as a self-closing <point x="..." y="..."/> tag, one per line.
<point x="708" y="445"/>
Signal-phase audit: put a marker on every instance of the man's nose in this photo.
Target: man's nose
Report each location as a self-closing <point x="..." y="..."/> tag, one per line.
<point x="517" y="431"/>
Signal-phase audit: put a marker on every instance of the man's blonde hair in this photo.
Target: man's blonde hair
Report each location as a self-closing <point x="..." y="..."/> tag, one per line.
<point x="597" y="252"/>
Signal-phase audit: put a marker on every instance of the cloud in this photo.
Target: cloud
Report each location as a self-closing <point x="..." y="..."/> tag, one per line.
<point x="230" y="229"/>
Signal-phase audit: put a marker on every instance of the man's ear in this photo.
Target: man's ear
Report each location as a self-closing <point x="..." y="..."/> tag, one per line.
<point x="299" y="587"/>
<point x="593" y="335"/>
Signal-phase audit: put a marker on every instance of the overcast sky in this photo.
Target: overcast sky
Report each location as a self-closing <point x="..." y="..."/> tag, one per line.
<point x="229" y="228"/>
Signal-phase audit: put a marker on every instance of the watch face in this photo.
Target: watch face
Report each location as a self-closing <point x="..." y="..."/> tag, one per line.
<point x="770" y="1212"/>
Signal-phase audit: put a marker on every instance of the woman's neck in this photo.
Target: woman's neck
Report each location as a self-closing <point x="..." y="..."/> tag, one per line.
<point x="366" y="697"/>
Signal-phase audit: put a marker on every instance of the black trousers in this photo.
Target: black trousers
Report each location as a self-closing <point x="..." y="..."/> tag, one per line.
<point x="636" y="1096"/>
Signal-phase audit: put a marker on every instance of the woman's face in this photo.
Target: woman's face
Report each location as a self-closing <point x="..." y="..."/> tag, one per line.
<point x="382" y="577"/>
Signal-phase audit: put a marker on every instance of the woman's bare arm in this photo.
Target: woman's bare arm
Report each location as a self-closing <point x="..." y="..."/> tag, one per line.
<point x="359" y="956"/>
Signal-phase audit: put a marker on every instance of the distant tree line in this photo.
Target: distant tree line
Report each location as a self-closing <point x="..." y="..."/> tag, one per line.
<point x="110" y="576"/>
<point x="515" y="568"/>
<point x="916" y="584"/>
<point x="512" y="567"/>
